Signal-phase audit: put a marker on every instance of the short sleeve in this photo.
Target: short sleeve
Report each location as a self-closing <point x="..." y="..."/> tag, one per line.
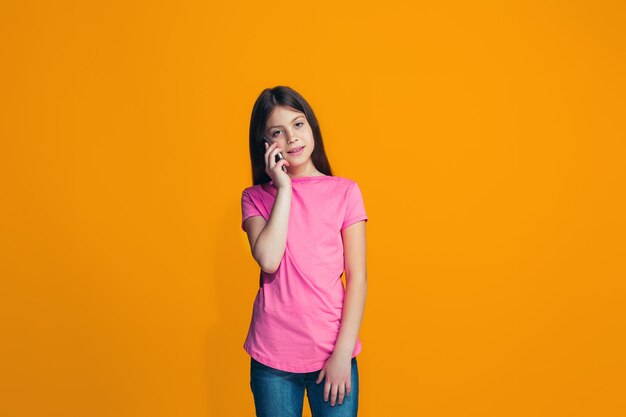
<point x="355" y="210"/>
<point x="248" y="208"/>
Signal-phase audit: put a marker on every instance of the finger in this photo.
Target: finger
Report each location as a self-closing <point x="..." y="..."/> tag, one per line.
<point x="348" y="386"/>
<point x="268" y="150"/>
<point x="267" y="155"/>
<point x="272" y="155"/>
<point x="326" y="391"/>
<point x="281" y="163"/>
<point x="268" y="146"/>
<point x="341" y="393"/>
<point x="333" y="394"/>
<point x="320" y="377"/>
<point x="276" y="150"/>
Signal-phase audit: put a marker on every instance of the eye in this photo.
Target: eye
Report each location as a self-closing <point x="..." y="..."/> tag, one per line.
<point x="274" y="133"/>
<point x="300" y="123"/>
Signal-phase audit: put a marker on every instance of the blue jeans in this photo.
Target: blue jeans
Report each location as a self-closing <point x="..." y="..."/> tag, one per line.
<point x="281" y="394"/>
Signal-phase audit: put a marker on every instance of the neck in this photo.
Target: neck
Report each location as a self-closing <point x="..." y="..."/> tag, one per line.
<point x="305" y="170"/>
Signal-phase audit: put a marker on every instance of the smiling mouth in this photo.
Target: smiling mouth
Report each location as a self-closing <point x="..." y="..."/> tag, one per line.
<point x="296" y="150"/>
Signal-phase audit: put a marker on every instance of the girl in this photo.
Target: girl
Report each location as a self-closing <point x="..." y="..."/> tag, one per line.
<point x="305" y="227"/>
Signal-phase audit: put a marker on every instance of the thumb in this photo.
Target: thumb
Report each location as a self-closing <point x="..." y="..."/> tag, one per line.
<point x="320" y="378"/>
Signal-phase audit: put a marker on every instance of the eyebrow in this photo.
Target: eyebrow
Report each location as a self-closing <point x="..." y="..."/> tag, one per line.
<point x="294" y="119"/>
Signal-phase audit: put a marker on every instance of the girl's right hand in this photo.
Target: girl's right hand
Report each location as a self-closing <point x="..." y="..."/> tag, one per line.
<point x="275" y="169"/>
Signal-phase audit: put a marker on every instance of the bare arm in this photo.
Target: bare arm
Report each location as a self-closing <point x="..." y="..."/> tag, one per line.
<point x="354" y="243"/>
<point x="268" y="239"/>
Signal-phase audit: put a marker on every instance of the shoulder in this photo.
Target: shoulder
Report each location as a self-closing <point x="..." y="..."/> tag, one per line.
<point x="252" y="190"/>
<point x="348" y="185"/>
<point x="345" y="181"/>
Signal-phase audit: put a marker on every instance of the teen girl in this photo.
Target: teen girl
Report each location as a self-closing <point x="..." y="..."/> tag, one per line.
<point x="305" y="227"/>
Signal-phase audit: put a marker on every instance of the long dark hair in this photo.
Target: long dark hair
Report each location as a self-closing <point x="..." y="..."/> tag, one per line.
<point x="269" y="99"/>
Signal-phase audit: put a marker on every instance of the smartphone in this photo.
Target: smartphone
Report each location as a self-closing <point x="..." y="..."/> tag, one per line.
<point x="278" y="157"/>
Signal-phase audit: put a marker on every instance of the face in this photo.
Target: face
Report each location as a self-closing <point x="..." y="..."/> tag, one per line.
<point x="290" y="129"/>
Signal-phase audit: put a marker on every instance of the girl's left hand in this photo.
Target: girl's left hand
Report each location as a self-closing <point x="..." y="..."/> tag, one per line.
<point x="337" y="370"/>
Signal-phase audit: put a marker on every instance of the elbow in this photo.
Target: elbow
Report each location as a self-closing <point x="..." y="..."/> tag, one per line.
<point x="268" y="267"/>
<point x="269" y="271"/>
<point x="268" y="263"/>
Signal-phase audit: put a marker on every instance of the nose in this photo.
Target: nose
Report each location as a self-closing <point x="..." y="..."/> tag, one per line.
<point x="292" y="136"/>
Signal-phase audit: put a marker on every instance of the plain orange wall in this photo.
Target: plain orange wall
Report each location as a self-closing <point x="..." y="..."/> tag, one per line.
<point x="487" y="138"/>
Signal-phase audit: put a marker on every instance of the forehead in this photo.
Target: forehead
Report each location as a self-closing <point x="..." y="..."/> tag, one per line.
<point x="282" y="115"/>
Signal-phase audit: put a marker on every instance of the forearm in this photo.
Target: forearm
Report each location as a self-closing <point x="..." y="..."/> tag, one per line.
<point x="352" y="315"/>
<point x="269" y="247"/>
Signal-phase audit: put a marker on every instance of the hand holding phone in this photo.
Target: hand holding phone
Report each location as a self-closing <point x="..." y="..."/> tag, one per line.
<point x="278" y="156"/>
<point x="280" y="180"/>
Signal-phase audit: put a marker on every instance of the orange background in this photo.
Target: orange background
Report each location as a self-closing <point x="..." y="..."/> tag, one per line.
<point x="488" y="141"/>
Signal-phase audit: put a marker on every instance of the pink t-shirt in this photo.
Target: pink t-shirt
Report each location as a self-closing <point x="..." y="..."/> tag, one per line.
<point x="297" y="311"/>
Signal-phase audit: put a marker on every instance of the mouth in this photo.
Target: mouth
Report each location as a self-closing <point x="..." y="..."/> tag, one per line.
<point x="296" y="151"/>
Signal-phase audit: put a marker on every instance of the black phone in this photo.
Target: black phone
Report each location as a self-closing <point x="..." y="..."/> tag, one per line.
<point x="278" y="156"/>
